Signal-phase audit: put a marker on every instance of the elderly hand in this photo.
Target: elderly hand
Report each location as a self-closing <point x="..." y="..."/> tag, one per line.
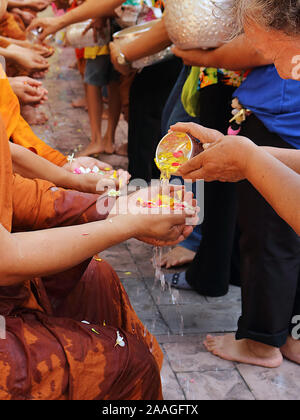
<point x="224" y="159"/>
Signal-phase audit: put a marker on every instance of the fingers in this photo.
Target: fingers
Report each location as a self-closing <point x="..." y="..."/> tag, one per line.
<point x="193" y="173"/>
<point x="32" y="82"/>
<point x="203" y="134"/>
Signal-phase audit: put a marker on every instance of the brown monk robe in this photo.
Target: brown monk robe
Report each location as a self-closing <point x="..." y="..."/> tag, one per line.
<point x="17" y="128"/>
<point x="48" y="352"/>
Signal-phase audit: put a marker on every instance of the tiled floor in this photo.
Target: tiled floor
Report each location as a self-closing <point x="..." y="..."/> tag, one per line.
<point x="180" y="321"/>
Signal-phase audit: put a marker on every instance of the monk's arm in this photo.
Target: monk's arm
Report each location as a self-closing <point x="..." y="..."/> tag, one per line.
<point x="41" y="253"/>
<point x="46" y="252"/>
<point x="31" y="165"/>
<point x="235" y="55"/>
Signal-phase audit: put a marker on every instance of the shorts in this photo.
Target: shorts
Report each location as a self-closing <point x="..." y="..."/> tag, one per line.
<point x="100" y="71"/>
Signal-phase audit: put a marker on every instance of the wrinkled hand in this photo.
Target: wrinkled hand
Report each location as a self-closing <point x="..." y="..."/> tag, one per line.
<point x="114" y="52"/>
<point x="27" y="58"/>
<point x="224" y="158"/>
<point x="29" y="91"/>
<point x="48" y="25"/>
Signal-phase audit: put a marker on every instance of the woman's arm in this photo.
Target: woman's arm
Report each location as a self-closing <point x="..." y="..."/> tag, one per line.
<point x="232" y="158"/>
<point x="235" y="55"/>
<point x="150" y="42"/>
<point x="89" y="9"/>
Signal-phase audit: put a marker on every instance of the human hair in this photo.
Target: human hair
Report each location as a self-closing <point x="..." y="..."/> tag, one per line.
<point x="281" y="15"/>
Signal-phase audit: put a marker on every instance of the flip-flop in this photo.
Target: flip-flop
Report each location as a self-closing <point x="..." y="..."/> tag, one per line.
<point x="178" y="281"/>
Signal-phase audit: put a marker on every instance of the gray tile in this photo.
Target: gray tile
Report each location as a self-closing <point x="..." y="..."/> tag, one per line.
<point x="233" y="295"/>
<point x="165" y="295"/>
<point x="221" y="385"/>
<point x="170" y="386"/>
<point x="201" y="318"/>
<point x="192" y="357"/>
<point x="282" y="383"/>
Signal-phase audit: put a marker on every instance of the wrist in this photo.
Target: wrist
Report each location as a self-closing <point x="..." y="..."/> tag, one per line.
<point x="244" y="154"/>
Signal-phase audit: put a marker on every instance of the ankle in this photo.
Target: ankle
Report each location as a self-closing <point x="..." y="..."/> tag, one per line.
<point x="261" y="350"/>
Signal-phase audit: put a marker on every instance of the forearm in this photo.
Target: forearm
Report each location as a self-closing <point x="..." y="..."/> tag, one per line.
<point x="151" y="42"/>
<point x="30" y="165"/>
<point x="236" y="55"/>
<point x="41" y="253"/>
<point x="17" y="3"/>
<point x="87" y="10"/>
<point x="289" y="157"/>
<point x="277" y="183"/>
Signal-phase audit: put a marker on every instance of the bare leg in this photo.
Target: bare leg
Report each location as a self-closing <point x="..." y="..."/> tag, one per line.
<point x="95" y="108"/>
<point x="291" y="350"/>
<point x="82" y="101"/>
<point x="243" y="351"/>
<point x="114" y="110"/>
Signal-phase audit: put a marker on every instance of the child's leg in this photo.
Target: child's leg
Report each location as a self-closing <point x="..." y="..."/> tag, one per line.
<point x="95" y="107"/>
<point x="114" y="110"/>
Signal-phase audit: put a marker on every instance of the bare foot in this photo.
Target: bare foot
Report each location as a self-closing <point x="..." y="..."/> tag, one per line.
<point x="79" y="103"/>
<point x="73" y="65"/>
<point x="33" y="116"/>
<point x="91" y="149"/>
<point x="105" y="114"/>
<point x="177" y="256"/>
<point x="122" y="150"/>
<point x="243" y="351"/>
<point x="109" y="149"/>
<point x="291" y="350"/>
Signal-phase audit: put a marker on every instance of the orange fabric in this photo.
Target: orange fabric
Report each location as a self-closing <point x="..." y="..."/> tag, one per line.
<point x="17" y="128"/>
<point x="11" y="26"/>
<point x="4" y="43"/>
<point x="48" y="352"/>
<point x="5" y="180"/>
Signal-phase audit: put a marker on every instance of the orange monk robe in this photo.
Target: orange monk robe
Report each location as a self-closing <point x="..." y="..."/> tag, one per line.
<point x="12" y="26"/>
<point x="48" y="353"/>
<point x="17" y="128"/>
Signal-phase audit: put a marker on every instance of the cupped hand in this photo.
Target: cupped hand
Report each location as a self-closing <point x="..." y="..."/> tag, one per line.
<point x="27" y="58"/>
<point x="28" y="90"/>
<point x="86" y="162"/>
<point x="131" y="205"/>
